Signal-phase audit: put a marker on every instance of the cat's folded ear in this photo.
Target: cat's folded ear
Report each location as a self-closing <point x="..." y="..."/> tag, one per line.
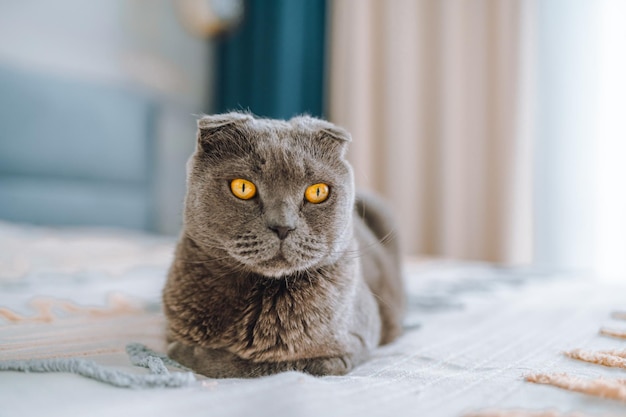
<point x="216" y="121"/>
<point x="331" y="136"/>
<point x="219" y="132"/>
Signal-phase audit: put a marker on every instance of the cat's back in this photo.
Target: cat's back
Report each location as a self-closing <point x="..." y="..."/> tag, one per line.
<point x="380" y="255"/>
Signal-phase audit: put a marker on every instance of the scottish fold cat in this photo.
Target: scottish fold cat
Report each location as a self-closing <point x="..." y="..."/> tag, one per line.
<point x="279" y="265"/>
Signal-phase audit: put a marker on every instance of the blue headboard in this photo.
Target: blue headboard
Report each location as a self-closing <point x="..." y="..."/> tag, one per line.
<point x="75" y="152"/>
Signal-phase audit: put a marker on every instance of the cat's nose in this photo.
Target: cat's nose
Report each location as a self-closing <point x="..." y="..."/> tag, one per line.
<point x="281" y="231"/>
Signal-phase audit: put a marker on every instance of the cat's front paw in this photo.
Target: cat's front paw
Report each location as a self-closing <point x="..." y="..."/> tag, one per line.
<point x="339" y="365"/>
<point x="208" y="362"/>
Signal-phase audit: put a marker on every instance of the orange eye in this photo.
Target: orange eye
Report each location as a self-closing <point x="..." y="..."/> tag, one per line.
<point x="243" y="189"/>
<point x="317" y="193"/>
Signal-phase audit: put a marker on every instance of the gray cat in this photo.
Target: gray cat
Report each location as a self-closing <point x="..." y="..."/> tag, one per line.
<point x="279" y="266"/>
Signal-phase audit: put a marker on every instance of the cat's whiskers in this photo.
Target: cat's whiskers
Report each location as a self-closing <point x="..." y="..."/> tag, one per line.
<point x="386" y="238"/>
<point x="307" y="274"/>
<point x="287" y="283"/>
<point x="362" y="251"/>
<point x="229" y="269"/>
<point x="324" y="273"/>
<point x="204" y="241"/>
<point x="207" y="261"/>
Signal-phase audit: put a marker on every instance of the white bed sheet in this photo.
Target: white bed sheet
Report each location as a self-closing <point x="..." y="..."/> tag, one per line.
<point x="473" y="332"/>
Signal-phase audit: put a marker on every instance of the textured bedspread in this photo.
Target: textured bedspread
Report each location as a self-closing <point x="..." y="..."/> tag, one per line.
<point x="474" y="333"/>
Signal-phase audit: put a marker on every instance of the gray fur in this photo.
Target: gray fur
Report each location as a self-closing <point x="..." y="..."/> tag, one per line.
<point x="242" y="302"/>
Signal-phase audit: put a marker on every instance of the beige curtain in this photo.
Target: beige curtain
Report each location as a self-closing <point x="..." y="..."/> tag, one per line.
<point x="437" y="95"/>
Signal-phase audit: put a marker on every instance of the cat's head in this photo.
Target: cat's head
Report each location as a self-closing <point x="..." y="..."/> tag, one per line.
<point x="276" y="196"/>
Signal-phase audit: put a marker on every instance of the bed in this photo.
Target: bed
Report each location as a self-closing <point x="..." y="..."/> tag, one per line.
<point x="476" y="337"/>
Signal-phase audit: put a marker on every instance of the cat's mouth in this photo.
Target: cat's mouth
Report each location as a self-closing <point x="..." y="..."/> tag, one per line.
<point x="276" y="259"/>
<point x="279" y="257"/>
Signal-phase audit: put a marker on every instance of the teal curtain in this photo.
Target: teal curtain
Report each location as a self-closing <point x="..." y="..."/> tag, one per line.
<point x="273" y="63"/>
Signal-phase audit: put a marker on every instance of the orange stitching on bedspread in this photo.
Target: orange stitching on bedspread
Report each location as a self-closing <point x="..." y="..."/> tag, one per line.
<point x="619" y="315"/>
<point x="87" y="337"/>
<point x="620" y="353"/>
<point x="606" y="358"/>
<point x="613" y="333"/>
<point x="9" y="315"/>
<point x="92" y="352"/>
<point x="612" y="389"/>
<point x="520" y="413"/>
<point x="605" y="388"/>
<point x="44" y="309"/>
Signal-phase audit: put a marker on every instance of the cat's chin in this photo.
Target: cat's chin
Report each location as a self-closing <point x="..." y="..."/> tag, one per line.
<point x="278" y="267"/>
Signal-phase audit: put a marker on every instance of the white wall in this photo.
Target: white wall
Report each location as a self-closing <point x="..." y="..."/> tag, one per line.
<point x="581" y="137"/>
<point x="564" y="163"/>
